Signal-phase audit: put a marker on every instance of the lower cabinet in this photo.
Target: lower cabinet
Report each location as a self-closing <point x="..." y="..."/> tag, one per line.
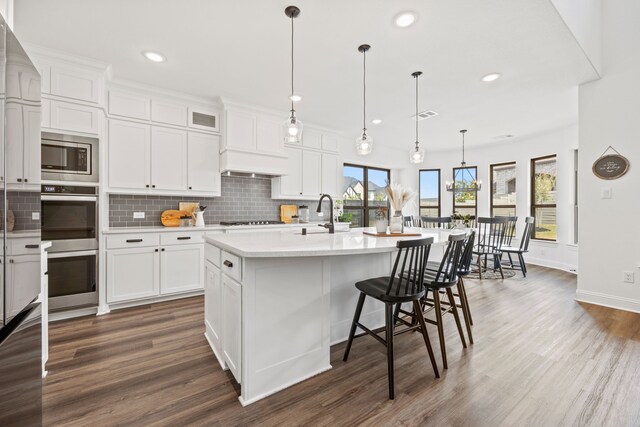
<point x="21" y="271"/>
<point x="140" y="272"/>
<point x="133" y="274"/>
<point x="232" y="325"/>
<point x="181" y="268"/>
<point x="213" y="306"/>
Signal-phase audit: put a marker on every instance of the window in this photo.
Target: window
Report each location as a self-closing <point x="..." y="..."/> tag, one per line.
<point x="429" y="192"/>
<point x="543" y="197"/>
<point x="503" y="189"/>
<point x="465" y="202"/>
<point x="363" y="192"/>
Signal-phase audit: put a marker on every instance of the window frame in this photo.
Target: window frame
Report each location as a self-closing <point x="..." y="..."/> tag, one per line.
<point x="475" y="207"/>
<point x="491" y="182"/>
<point x="534" y="205"/>
<point x="365" y="208"/>
<point x="439" y="191"/>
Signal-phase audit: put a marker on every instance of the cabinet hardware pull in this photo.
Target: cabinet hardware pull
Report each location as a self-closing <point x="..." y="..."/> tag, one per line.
<point x="46" y="273"/>
<point x="156" y="250"/>
<point x="134" y="240"/>
<point x="190" y="188"/>
<point x="26" y="180"/>
<point x="162" y="249"/>
<point x="184" y="238"/>
<point x="11" y="261"/>
<point x="19" y="179"/>
<point x="32" y="246"/>
<point x="153" y="186"/>
<point x="228" y="263"/>
<point x="147" y="185"/>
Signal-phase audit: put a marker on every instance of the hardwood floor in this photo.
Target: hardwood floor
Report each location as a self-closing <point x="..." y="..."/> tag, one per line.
<point x="539" y="358"/>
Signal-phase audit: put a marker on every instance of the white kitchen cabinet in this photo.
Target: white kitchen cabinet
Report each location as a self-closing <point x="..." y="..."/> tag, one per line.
<point x="312" y="138"/>
<point x="76" y="83"/>
<point x="66" y="116"/>
<point x="168" y="159"/>
<point x="23" y="83"/>
<point x="311" y="173"/>
<point x="181" y="268"/>
<point x="269" y="135"/>
<point x="23" y="157"/>
<point x="169" y="113"/>
<point x="45" y="117"/>
<point x="21" y="271"/>
<point x="330" y="142"/>
<point x="291" y="184"/>
<point x="203" y="159"/>
<point x="241" y="130"/>
<point x="331" y="174"/>
<point x="129" y="105"/>
<point x="129" y="155"/>
<point x="232" y="325"/>
<point x="213" y="308"/>
<point x="133" y="274"/>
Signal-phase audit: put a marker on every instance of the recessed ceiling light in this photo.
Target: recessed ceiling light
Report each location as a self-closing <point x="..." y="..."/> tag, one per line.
<point x="376" y="121"/>
<point x="506" y="136"/>
<point x="154" y="56"/>
<point x="295" y="98"/>
<point x="405" y="19"/>
<point x="491" y="77"/>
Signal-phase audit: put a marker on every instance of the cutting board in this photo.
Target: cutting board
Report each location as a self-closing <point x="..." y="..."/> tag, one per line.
<point x="372" y="233"/>
<point x="286" y="212"/>
<point x="171" y="218"/>
<point x="190" y="207"/>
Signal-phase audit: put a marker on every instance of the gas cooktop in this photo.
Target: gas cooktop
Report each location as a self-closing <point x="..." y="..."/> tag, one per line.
<point x="256" y="222"/>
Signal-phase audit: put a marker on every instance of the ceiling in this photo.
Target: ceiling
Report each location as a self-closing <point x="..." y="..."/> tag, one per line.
<point x="240" y="50"/>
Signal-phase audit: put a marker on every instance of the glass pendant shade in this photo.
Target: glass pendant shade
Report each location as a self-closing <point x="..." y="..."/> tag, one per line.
<point x="416" y="155"/>
<point x="364" y="144"/>
<point x="292" y="130"/>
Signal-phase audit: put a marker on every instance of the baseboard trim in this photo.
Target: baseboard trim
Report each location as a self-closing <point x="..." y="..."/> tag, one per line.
<point x="597" y="298"/>
<point x="550" y="264"/>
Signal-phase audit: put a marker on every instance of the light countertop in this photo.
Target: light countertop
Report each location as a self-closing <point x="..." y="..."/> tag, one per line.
<point x="292" y="244"/>
<point x="206" y="228"/>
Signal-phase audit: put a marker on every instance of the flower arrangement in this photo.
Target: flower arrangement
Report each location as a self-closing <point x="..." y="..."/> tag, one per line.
<point x="399" y="196"/>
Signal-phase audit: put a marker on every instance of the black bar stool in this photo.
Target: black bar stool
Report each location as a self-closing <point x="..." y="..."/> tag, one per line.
<point x="435" y="221"/>
<point x="522" y="249"/>
<point x="405" y="284"/>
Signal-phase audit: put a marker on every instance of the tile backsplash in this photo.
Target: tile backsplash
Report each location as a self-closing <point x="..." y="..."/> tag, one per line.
<point x="243" y="199"/>
<point x="23" y="204"/>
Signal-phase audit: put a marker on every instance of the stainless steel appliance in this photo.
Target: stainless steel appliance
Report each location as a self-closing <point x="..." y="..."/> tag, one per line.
<point x="20" y="316"/>
<point x="69" y="158"/>
<point x="254" y="222"/>
<point x="70" y="221"/>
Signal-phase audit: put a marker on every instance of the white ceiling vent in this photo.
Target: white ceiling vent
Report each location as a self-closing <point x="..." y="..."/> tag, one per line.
<point x="425" y="115"/>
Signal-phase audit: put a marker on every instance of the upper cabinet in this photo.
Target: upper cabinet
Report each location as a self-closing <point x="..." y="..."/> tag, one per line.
<point x="68" y="116"/>
<point x="23" y="156"/>
<point x="129" y="105"/>
<point x="253" y="143"/>
<point x="203" y="159"/>
<point x="77" y="83"/>
<point x="169" y="113"/>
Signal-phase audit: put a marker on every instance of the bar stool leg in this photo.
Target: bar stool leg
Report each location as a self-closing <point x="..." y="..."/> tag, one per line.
<point x="465" y="308"/>
<point x="454" y="310"/>
<point x="417" y="308"/>
<point x="438" y="310"/>
<point x="466" y="300"/>
<point x="354" y="325"/>
<point x="389" y="323"/>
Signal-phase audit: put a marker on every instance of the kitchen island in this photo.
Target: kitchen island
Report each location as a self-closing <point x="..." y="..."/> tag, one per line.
<point x="276" y="301"/>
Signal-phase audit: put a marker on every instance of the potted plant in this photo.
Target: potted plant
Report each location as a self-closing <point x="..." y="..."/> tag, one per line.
<point x="381" y="220"/>
<point x="398" y="197"/>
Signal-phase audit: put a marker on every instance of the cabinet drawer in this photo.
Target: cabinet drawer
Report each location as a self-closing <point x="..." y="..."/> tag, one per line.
<point x="133" y="240"/>
<point x="212" y="254"/>
<point x="177" y="238"/>
<point x="24" y="246"/>
<point x="231" y="265"/>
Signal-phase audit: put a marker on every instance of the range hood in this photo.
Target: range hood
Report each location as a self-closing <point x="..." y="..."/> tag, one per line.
<point x="247" y="163"/>
<point x="251" y="175"/>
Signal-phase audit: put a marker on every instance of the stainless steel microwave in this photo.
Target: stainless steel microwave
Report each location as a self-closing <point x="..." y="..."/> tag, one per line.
<point x="69" y="158"/>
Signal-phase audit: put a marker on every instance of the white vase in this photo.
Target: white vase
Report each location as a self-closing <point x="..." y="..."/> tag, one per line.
<point x="381" y="225"/>
<point x="395" y="224"/>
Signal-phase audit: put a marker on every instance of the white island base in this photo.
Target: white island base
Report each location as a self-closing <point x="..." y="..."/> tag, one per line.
<point x="276" y="302"/>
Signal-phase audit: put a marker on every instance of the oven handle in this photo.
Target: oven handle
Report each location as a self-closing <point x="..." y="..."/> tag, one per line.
<point x="53" y="255"/>
<point x="70" y="198"/>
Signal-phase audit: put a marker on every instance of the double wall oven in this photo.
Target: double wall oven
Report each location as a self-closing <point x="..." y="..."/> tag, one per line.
<point x="69" y="219"/>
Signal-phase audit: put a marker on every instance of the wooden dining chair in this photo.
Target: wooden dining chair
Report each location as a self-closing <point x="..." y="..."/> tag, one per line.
<point x="490" y="237"/>
<point x="436" y="221"/>
<point x="410" y="221"/>
<point x="405" y="284"/>
<point x="522" y="248"/>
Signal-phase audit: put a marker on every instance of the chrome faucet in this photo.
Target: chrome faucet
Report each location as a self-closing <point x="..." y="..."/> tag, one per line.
<point x="329" y="225"/>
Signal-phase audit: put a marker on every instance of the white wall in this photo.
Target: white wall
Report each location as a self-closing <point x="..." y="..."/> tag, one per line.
<point x="609" y="110"/>
<point x="584" y="20"/>
<point x="560" y="254"/>
<point x="6" y="9"/>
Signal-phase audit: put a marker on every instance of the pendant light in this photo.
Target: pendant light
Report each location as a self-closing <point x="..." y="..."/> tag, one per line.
<point x="416" y="155"/>
<point x="465" y="186"/>
<point x="293" y="126"/>
<point x="364" y="143"/>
